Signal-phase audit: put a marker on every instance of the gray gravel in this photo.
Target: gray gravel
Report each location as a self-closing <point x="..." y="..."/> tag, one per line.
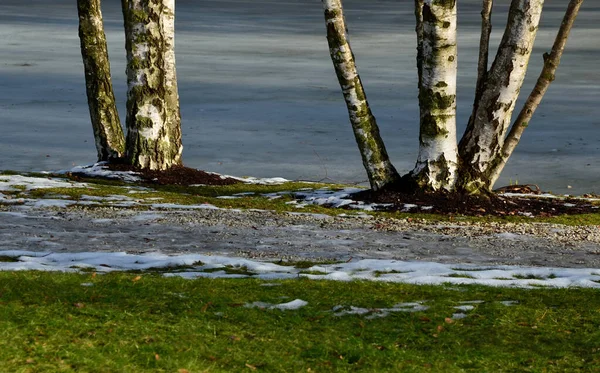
<point x="273" y="236"/>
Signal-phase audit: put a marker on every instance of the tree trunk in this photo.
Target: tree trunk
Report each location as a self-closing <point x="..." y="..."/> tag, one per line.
<point x="108" y="134"/>
<point x="551" y="62"/>
<point x="437" y="161"/>
<point x="153" y="118"/>
<point x="379" y="169"/>
<point x="484" y="51"/>
<point x="483" y="140"/>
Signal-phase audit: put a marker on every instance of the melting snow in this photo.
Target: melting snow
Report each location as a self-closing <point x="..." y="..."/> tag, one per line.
<point x="293" y="305"/>
<point x="100" y="169"/>
<point x="379" y="312"/>
<point x="367" y="269"/>
<point x="14" y="183"/>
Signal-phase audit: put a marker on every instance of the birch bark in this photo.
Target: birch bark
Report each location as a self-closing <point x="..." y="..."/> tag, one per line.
<point x="484" y="137"/>
<point x="437" y="161"/>
<point x="375" y="159"/>
<point x="153" y="117"/>
<point x="551" y="62"/>
<point x="484" y="51"/>
<point x="108" y="134"/>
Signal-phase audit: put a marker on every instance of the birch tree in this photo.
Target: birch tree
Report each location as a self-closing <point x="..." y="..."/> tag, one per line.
<point x="108" y="133"/>
<point x="366" y="132"/>
<point x="153" y="117"/>
<point x="475" y="164"/>
<point x="546" y="77"/>
<point x="437" y="161"/>
<point x="492" y="111"/>
<point x="153" y="120"/>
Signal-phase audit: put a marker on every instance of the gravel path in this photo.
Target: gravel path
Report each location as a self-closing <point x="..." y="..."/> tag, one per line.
<point x="272" y="236"/>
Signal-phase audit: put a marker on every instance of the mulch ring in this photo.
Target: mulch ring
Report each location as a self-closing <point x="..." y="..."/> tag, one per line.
<point x="495" y="204"/>
<point x="178" y="175"/>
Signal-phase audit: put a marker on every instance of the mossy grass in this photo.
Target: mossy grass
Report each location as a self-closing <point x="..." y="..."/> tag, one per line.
<point x="132" y="322"/>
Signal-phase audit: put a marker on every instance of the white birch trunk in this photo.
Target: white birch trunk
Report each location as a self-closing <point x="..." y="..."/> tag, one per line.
<point x="484" y="137"/>
<point x="551" y="62"/>
<point x="374" y="156"/>
<point x="153" y="118"/>
<point x="108" y="134"/>
<point x="437" y="161"/>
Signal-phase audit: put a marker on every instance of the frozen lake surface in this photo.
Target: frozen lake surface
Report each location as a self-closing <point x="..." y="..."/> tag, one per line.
<point x="259" y="95"/>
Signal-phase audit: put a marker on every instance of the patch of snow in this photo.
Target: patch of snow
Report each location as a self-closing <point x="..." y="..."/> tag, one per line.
<point x="408" y="207"/>
<point x="414" y="272"/>
<point x="11" y="201"/>
<point x="254" y="180"/>
<point x="334" y="198"/>
<point x="44" y="203"/>
<point x="293" y="305"/>
<point x="351" y="311"/>
<point x="360" y="214"/>
<point x="552" y="196"/>
<point x="14" y="183"/>
<point x="295" y="204"/>
<point x="543" y="195"/>
<point x="464" y="308"/>
<point x="378" y="312"/>
<point x="103" y="221"/>
<point x="100" y="169"/>
<point x="409" y="307"/>
<point x="510" y="236"/>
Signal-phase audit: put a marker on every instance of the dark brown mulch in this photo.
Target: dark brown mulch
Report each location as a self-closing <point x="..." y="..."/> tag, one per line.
<point x="178" y="175"/>
<point x="493" y="204"/>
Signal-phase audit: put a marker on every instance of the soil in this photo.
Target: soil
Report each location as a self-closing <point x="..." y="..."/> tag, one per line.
<point x="178" y="175"/>
<point x="496" y="203"/>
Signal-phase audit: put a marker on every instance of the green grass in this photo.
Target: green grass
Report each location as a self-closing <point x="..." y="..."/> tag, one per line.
<point x="126" y="322"/>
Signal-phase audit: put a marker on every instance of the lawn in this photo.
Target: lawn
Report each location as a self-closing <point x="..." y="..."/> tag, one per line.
<point x="142" y="322"/>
